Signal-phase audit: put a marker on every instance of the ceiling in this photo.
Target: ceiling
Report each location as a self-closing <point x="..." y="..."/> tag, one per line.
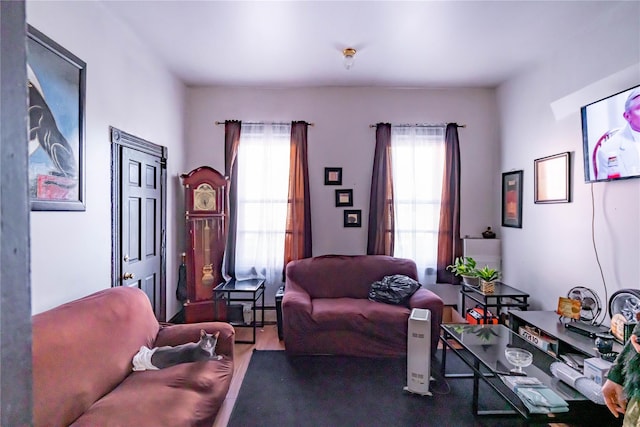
<point x="399" y="44"/>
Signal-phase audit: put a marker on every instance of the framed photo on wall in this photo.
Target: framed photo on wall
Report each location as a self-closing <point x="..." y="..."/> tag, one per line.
<point x="353" y="218"/>
<point x="552" y="182"/>
<point x="344" y="197"/>
<point x="512" y="199"/>
<point x="332" y="176"/>
<point x="56" y="84"/>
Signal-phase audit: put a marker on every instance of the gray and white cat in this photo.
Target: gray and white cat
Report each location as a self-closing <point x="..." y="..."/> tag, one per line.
<point x="163" y="357"/>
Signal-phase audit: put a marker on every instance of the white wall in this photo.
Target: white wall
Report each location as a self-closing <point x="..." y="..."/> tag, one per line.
<point x="533" y="115"/>
<point x="126" y="88"/>
<point x="540" y="116"/>
<point x="342" y="137"/>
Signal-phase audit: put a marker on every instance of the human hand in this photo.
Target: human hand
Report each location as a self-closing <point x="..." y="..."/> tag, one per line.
<point x="614" y="397"/>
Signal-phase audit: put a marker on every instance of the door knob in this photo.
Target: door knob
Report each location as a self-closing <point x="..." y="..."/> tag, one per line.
<point x="127" y="276"/>
<point x="126" y="258"/>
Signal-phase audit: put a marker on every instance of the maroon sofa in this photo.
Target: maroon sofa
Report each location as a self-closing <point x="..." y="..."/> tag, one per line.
<point x="82" y="371"/>
<point x="326" y="310"/>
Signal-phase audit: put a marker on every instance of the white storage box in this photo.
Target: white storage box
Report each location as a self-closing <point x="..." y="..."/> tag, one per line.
<point x="596" y="369"/>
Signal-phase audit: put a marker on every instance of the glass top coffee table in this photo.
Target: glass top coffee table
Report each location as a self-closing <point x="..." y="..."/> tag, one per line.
<point x="481" y="347"/>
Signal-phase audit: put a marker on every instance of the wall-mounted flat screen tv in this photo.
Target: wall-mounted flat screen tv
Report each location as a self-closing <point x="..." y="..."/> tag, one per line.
<point x="611" y="137"/>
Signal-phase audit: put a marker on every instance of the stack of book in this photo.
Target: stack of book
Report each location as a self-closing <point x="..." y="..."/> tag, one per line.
<point x="537" y="397"/>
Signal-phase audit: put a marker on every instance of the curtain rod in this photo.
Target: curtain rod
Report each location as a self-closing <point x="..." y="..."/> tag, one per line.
<point x="266" y="123"/>
<point x="421" y="125"/>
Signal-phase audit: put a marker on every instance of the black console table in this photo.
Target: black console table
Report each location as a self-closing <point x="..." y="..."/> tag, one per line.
<point x="503" y="296"/>
<point x="549" y="325"/>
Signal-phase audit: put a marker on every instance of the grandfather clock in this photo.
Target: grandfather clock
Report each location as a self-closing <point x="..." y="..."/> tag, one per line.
<point x="206" y="227"/>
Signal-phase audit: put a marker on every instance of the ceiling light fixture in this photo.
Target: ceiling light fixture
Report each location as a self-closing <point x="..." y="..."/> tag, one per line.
<point x="348" y="53"/>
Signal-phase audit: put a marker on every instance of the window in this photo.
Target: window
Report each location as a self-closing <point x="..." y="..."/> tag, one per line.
<point x="263" y="182"/>
<point x="417" y="155"/>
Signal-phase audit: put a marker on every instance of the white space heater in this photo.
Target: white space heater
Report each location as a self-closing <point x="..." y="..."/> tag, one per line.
<point x="419" y="352"/>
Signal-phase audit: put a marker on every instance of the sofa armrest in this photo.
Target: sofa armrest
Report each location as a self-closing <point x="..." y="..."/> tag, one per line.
<point x="183" y="333"/>
<point x="296" y="307"/>
<point x="424" y="298"/>
<point x="296" y="315"/>
<point x="295" y="298"/>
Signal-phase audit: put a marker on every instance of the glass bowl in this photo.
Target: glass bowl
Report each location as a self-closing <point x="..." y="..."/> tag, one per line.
<point x="518" y="357"/>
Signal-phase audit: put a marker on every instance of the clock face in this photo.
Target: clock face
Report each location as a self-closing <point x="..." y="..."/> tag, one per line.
<point x="204" y="198"/>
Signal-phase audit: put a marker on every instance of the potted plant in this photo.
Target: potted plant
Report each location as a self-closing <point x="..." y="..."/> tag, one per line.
<point x="465" y="267"/>
<point x="488" y="277"/>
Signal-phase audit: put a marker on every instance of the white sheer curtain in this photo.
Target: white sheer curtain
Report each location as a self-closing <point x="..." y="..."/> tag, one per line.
<point x="417" y="167"/>
<point x="263" y="177"/>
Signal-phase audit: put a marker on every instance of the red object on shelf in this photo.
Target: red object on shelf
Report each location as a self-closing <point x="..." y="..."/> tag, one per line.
<point x="475" y="316"/>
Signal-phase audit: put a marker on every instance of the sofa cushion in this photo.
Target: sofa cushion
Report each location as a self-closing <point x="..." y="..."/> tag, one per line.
<point x="188" y="394"/>
<point x="394" y="289"/>
<point x="366" y="316"/>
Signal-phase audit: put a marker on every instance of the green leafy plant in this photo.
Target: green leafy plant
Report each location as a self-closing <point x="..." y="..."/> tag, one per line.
<point x="488" y="274"/>
<point x="485" y="333"/>
<point x="463" y="266"/>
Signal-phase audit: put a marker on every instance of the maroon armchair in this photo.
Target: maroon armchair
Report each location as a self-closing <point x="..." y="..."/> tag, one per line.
<point x="326" y="310"/>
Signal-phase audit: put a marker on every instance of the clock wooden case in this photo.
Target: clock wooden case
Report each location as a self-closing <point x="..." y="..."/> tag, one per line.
<point x="206" y="196"/>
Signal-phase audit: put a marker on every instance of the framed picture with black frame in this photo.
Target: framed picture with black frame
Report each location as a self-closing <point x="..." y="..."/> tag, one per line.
<point x="552" y="179"/>
<point x="512" y="199"/>
<point x="332" y="176"/>
<point x="56" y="165"/>
<point x="353" y="218"/>
<point x="344" y="197"/>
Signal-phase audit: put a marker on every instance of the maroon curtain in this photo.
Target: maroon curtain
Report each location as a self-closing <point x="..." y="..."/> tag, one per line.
<point x="449" y="242"/>
<point x="297" y="242"/>
<point x="231" y="142"/>
<point x="381" y="222"/>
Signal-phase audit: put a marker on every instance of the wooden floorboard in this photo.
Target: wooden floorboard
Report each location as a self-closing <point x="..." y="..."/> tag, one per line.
<point x="266" y="339"/>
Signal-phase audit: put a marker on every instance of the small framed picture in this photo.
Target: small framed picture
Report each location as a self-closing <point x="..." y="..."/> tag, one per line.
<point x="569" y="308"/>
<point x="332" y="176"/>
<point x="353" y="218"/>
<point x="552" y="179"/>
<point x="344" y="197"/>
<point x="512" y="199"/>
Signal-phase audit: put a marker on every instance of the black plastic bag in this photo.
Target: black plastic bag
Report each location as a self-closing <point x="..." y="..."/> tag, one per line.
<point x="395" y="289"/>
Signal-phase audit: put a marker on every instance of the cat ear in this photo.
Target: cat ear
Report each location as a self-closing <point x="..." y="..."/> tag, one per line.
<point x="216" y="334"/>
<point x="202" y="333"/>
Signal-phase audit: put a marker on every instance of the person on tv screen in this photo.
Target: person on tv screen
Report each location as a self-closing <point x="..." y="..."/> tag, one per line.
<point x="619" y="153"/>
